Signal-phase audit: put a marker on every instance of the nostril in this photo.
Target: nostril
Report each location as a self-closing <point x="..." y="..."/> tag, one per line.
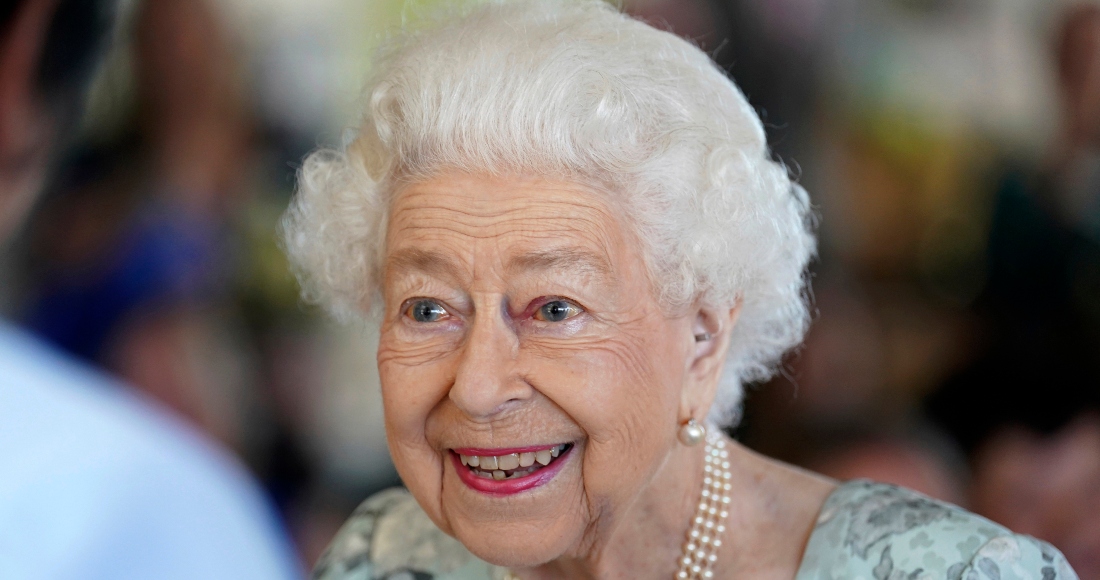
<point x="487" y="381"/>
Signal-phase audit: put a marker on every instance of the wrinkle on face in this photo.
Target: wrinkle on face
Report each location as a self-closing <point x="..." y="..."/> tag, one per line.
<point x="490" y="374"/>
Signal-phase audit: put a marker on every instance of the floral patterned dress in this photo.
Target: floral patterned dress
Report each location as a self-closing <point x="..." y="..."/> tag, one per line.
<point x="865" y="531"/>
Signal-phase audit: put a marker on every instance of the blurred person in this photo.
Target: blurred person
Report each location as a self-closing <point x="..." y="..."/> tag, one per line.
<point x="579" y="248"/>
<point x="1046" y="486"/>
<point x="95" y="482"/>
<point x="918" y="460"/>
<point x="844" y="406"/>
<point x="771" y="48"/>
<point x="1026" y="409"/>
<point x="133" y="268"/>
<point x="1034" y="458"/>
<point x="865" y="364"/>
<point x="1073" y="191"/>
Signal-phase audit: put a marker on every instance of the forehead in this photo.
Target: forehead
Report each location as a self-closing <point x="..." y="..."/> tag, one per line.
<point x="513" y="222"/>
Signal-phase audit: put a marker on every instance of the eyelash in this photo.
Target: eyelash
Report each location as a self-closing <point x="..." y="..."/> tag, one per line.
<point x="409" y="305"/>
<point x="543" y="303"/>
<point x="533" y="311"/>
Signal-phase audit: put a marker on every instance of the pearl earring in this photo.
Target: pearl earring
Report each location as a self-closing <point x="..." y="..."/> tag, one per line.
<point x="691" y="432"/>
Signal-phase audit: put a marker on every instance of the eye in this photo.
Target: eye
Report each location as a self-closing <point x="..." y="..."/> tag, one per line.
<point x="425" y="311"/>
<point x="557" y="311"/>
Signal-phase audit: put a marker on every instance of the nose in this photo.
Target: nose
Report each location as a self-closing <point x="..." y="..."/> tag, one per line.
<point x="486" y="382"/>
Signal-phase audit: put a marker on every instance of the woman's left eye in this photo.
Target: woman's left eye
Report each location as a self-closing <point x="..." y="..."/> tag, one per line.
<point x="425" y="311"/>
<point x="557" y="311"/>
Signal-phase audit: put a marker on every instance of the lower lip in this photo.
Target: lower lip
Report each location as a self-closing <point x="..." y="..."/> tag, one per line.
<point x="508" y="486"/>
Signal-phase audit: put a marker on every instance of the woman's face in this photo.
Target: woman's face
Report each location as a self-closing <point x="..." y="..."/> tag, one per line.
<point x="520" y="328"/>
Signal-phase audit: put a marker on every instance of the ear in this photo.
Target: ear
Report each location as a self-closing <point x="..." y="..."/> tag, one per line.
<point x="25" y="129"/>
<point x="711" y="329"/>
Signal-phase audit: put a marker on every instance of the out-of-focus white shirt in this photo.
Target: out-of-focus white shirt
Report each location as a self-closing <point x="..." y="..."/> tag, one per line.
<point x="96" y="483"/>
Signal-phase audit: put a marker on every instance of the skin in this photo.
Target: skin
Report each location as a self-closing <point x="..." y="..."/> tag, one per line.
<point x="26" y="131"/>
<point x="1080" y="79"/>
<point x="616" y="379"/>
<point x="1046" y="486"/>
<point x="897" y="461"/>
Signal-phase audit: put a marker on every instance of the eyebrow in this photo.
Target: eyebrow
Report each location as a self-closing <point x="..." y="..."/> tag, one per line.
<point x="437" y="264"/>
<point x="426" y="261"/>
<point x="561" y="258"/>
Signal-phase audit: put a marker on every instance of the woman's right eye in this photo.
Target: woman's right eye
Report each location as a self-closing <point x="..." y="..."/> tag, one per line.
<point x="425" y="311"/>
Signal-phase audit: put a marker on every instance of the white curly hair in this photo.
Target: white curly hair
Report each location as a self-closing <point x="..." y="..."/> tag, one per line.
<point x="575" y="89"/>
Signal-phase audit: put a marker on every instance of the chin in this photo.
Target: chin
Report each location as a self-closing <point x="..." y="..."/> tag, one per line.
<point x="528" y="524"/>
<point x="516" y="545"/>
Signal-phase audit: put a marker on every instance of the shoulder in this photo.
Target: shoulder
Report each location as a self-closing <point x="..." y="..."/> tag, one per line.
<point x="89" y="462"/>
<point x="883" y="532"/>
<point x="389" y="536"/>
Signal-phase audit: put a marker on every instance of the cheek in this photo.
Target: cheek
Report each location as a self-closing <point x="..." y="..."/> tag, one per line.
<point x="411" y="390"/>
<point x="624" y="395"/>
<point x="415" y="376"/>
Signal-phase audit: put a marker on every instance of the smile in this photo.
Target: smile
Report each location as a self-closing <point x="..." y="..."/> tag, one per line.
<point x="509" y="471"/>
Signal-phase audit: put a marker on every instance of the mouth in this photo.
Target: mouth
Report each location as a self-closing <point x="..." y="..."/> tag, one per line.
<point x="509" y="471"/>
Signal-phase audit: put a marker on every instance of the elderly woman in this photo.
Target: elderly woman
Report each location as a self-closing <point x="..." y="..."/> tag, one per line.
<point x="579" y="250"/>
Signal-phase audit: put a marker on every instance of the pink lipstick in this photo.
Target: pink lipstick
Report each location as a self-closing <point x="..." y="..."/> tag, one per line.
<point x="509" y="471"/>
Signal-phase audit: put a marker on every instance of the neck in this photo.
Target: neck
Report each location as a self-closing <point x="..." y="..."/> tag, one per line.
<point x="773" y="511"/>
<point x="646" y="541"/>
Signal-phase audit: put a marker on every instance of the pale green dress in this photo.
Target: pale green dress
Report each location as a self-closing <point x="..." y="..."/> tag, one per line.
<point x="865" y="531"/>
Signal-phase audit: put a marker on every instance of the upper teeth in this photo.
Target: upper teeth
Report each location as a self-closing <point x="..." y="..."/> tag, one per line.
<point x="511" y="461"/>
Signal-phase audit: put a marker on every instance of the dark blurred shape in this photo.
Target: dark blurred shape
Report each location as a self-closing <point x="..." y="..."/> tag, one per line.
<point x="1047" y="486"/>
<point x="77" y="33"/>
<point x="159" y="258"/>
<point x="1039" y="367"/>
<point x="96" y="482"/>
<point x="772" y="50"/>
<point x="69" y="48"/>
<point x="767" y="48"/>
<point x="1026" y="409"/>
<point x="150" y="257"/>
<point x="865" y="363"/>
<point x="132" y="265"/>
<point x="1079" y="74"/>
<point x="193" y="111"/>
<point x="919" y="459"/>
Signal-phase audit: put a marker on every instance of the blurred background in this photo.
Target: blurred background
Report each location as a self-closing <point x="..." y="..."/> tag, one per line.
<point x="951" y="149"/>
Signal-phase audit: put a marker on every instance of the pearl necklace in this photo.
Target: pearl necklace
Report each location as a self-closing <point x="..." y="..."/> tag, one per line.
<point x="700" y="550"/>
<point x="704" y="537"/>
